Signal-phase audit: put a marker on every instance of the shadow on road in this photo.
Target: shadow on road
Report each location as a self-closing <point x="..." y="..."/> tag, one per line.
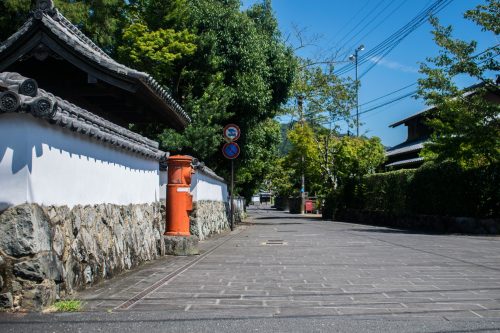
<point x="396" y="231"/>
<point x="270" y="223"/>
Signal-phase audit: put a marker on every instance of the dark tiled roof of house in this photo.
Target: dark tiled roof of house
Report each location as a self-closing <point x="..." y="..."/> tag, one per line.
<point x="406" y="147"/>
<point x="21" y="95"/>
<point x="406" y="162"/>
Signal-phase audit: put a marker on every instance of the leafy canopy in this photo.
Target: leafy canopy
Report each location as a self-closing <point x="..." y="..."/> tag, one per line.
<point x="465" y="121"/>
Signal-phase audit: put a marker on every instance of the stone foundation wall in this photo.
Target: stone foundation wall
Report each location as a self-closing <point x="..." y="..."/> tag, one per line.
<point x="212" y="217"/>
<point x="428" y="223"/>
<point x="209" y="217"/>
<point x="49" y="252"/>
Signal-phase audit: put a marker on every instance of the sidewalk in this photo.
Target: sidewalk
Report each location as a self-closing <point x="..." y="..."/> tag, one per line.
<point x="124" y="290"/>
<point x="297" y="273"/>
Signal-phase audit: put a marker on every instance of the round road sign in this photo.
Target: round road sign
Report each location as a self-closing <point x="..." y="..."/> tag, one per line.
<point x="231" y="150"/>
<point x="231" y="132"/>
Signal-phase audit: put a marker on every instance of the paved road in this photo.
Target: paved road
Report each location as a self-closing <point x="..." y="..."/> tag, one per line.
<point x="281" y="272"/>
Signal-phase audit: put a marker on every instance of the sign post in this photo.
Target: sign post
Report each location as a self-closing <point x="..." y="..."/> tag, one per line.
<point x="231" y="150"/>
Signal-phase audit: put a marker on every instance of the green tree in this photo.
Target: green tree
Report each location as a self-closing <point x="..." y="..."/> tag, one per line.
<point x="155" y="51"/>
<point x="465" y="123"/>
<point x="322" y="101"/>
<point x="240" y="73"/>
<point x="279" y="178"/>
<point x="101" y="20"/>
<point x="320" y="97"/>
<point x="303" y="158"/>
<point x="354" y="157"/>
<point x="258" y="157"/>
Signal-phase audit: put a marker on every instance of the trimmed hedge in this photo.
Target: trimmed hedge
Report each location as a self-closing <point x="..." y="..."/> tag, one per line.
<point x="387" y="191"/>
<point x="447" y="189"/>
<point x="434" y="189"/>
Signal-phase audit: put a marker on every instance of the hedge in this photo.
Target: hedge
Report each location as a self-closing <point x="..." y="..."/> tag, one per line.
<point x="435" y="189"/>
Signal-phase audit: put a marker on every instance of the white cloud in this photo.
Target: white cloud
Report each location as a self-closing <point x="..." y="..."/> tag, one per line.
<point x="393" y="65"/>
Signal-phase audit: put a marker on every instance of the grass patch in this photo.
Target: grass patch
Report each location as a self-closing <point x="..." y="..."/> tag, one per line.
<point x="73" y="305"/>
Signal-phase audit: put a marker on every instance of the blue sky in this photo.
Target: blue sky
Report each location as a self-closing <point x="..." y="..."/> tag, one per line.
<point x="345" y="24"/>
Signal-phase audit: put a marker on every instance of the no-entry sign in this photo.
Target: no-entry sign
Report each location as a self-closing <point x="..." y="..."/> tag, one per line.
<point x="231" y="132"/>
<point x="231" y="150"/>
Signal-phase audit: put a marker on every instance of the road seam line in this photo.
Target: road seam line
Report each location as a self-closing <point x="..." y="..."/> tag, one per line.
<point x="155" y="286"/>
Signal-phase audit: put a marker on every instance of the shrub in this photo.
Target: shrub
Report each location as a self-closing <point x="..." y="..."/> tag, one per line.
<point x="387" y="191"/>
<point x="434" y="189"/>
<point x="447" y="189"/>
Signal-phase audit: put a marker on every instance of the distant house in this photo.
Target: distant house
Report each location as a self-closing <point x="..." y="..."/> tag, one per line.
<point x="406" y="155"/>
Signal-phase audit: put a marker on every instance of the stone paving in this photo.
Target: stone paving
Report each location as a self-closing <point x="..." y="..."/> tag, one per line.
<point x="281" y="265"/>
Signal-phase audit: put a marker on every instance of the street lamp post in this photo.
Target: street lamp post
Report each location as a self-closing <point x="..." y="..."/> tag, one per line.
<point x="354" y="57"/>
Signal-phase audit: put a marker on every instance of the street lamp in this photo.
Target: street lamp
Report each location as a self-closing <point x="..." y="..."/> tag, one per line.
<point x="354" y="57"/>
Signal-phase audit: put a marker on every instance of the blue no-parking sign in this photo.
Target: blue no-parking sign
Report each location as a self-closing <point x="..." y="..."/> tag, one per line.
<point x="231" y="150"/>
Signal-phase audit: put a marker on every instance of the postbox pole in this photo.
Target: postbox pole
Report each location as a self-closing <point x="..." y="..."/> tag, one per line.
<point x="232" y="198"/>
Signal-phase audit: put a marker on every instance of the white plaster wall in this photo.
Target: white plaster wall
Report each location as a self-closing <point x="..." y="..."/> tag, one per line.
<point x="163" y="184"/>
<point x="46" y="164"/>
<point x="205" y="187"/>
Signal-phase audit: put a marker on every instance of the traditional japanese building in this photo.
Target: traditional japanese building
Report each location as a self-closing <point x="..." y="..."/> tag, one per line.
<point x="54" y="52"/>
<point x="407" y="154"/>
<point x="81" y="196"/>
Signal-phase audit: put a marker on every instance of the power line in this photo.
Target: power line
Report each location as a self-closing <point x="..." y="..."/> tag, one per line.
<point x="370" y="12"/>
<point x="410" y="26"/>
<point x="412" y="93"/>
<point x="378" y="25"/>
<point x="369" y="22"/>
<point x="383" y="48"/>
<point x="349" y="21"/>
<point x="390" y="43"/>
<point x="388" y="94"/>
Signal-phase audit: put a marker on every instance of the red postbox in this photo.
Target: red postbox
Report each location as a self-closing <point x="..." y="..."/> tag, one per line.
<point x="309" y="206"/>
<point x="179" y="198"/>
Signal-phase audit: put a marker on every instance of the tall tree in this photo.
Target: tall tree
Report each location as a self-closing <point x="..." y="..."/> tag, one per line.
<point x="241" y="72"/>
<point x="101" y="20"/>
<point x="466" y="123"/>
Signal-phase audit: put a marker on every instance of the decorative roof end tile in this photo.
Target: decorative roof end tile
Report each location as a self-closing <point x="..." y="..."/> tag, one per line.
<point x="43" y="6"/>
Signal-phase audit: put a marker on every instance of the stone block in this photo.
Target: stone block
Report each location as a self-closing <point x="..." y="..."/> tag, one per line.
<point x="41" y="295"/>
<point x="58" y="250"/>
<point x="6" y="300"/>
<point x="24" y="230"/>
<point x="40" y="268"/>
<point x="209" y="217"/>
<point x="181" y="245"/>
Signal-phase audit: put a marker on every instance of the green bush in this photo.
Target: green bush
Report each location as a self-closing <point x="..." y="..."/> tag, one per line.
<point x="447" y="189"/>
<point x="434" y="189"/>
<point x="387" y="191"/>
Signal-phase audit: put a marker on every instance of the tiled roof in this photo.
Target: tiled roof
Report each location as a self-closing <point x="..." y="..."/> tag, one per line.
<point x="470" y="91"/>
<point x="416" y="115"/>
<point x="406" y="147"/>
<point x="61" y="27"/>
<point x="406" y="162"/>
<point x="21" y="95"/>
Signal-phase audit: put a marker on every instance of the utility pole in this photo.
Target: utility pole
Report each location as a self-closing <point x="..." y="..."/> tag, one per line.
<point x="300" y="100"/>
<point x="355" y="58"/>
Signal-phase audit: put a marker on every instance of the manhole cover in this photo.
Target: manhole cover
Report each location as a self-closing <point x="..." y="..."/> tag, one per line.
<point x="274" y="242"/>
